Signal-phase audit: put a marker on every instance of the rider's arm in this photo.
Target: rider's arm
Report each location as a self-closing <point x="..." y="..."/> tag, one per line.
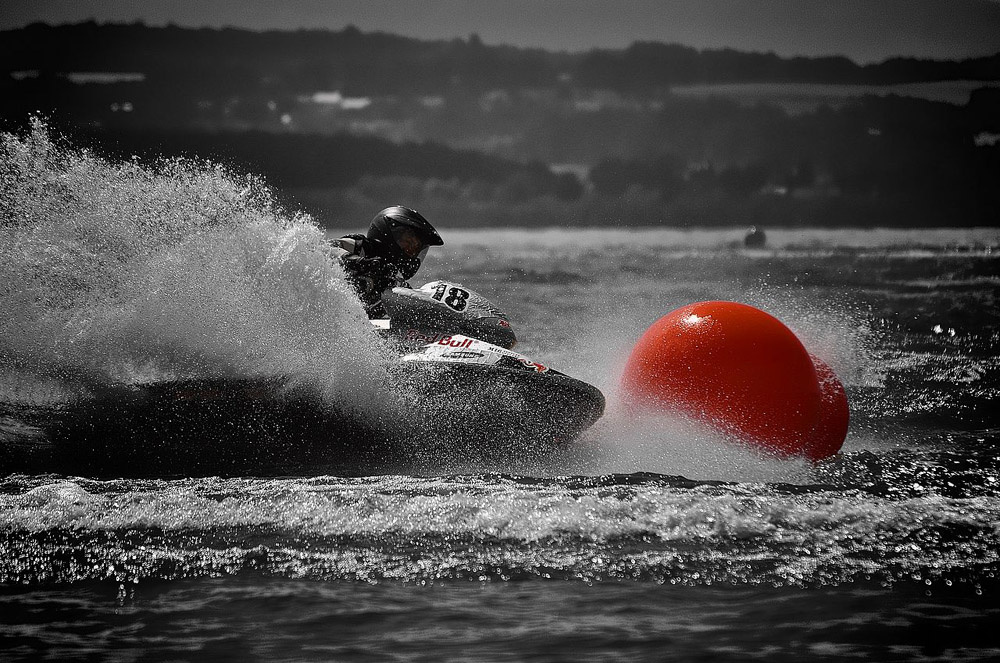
<point x="370" y="276"/>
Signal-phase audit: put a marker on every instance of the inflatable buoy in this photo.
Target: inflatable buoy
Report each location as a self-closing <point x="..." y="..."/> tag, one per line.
<point x="834" y="414"/>
<point x="741" y="371"/>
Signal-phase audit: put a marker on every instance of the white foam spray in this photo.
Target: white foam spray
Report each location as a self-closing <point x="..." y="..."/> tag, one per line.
<point x="124" y="272"/>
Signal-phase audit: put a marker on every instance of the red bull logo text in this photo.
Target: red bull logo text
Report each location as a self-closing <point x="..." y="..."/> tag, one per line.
<point x="455" y="342"/>
<point x="446" y="340"/>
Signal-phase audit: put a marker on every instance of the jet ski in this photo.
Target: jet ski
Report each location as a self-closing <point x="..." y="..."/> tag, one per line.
<point x="456" y="352"/>
<point x="462" y="398"/>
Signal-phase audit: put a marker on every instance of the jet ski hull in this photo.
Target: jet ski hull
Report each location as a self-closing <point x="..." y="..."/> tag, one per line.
<point x="443" y="415"/>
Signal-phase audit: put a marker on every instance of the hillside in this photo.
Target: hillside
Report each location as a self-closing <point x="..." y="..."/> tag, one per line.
<point x="655" y="133"/>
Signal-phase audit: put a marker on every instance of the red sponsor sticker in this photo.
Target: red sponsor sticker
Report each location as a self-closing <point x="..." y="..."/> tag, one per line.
<point x="417" y="335"/>
<point x="534" y="365"/>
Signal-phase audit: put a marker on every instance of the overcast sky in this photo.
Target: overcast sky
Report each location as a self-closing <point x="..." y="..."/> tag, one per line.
<point x="865" y="30"/>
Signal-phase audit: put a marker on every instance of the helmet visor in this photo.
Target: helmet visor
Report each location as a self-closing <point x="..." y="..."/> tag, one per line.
<point x="409" y="242"/>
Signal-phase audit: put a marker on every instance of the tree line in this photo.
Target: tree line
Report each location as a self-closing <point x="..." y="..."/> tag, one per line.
<point x="315" y="161"/>
<point x="232" y="61"/>
<point x="874" y="160"/>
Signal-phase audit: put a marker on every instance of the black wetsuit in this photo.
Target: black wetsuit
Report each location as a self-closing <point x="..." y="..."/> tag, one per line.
<point x="368" y="272"/>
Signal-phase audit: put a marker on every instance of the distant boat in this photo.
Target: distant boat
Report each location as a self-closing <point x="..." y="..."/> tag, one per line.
<point x="755" y="238"/>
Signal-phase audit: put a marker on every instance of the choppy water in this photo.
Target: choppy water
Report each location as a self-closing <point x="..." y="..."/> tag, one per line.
<point x="644" y="540"/>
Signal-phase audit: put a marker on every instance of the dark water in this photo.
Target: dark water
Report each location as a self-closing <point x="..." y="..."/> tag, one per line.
<point x="644" y="540"/>
<point x="261" y="618"/>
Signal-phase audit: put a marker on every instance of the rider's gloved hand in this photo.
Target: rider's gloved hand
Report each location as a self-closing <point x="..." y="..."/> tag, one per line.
<point x="375" y="274"/>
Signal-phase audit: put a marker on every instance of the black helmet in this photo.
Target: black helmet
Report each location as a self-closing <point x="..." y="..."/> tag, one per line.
<point x="403" y="235"/>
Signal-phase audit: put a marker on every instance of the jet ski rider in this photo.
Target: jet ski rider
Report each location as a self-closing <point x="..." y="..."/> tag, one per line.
<point x="387" y="256"/>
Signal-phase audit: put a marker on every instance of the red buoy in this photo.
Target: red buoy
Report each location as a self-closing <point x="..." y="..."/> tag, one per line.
<point x="834" y="414"/>
<point x="738" y="369"/>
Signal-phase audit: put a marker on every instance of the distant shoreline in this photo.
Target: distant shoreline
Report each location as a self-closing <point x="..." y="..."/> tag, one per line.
<point x="964" y="238"/>
<point x="343" y="123"/>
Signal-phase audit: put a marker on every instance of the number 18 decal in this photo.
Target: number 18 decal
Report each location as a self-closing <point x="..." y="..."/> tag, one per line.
<point x="457" y="298"/>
